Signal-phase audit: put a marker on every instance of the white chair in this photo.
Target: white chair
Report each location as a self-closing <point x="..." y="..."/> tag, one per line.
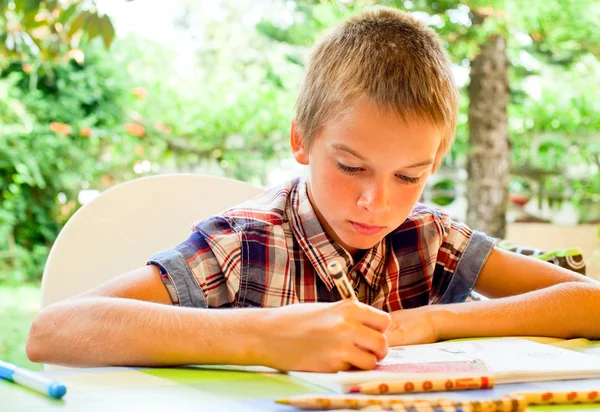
<point x="121" y="228"/>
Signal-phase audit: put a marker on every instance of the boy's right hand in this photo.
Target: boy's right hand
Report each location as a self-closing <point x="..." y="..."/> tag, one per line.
<point x="324" y="337"/>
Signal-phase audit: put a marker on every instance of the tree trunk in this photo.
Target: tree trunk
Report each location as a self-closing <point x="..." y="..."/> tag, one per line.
<point x="489" y="153"/>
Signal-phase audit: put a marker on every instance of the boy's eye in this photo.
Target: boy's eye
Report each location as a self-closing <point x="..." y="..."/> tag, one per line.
<point x="408" y="179"/>
<point x="348" y="169"/>
<point x="354" y="170"/>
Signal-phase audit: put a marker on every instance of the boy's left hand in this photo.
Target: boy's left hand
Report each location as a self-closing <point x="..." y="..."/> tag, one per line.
<point x="411" y="327"/>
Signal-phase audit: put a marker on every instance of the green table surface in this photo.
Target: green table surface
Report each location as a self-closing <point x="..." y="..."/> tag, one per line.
<point x="201" y="389"/>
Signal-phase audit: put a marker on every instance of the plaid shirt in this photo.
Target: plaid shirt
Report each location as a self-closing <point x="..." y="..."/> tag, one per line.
<point x="272" y="251"/>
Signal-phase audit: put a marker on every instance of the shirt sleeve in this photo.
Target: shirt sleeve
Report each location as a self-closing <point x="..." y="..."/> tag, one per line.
<point x="197" y="272"/>
<point x="461" y="256"/>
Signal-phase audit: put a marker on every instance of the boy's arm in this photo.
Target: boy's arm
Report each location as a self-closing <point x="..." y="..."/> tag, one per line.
<point x="535" y="299"/>
<point x="506" y="274"/>
<point x="130" y="321"/>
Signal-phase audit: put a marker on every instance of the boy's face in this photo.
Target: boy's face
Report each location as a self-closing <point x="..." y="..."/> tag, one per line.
<point x="367" y="171"/>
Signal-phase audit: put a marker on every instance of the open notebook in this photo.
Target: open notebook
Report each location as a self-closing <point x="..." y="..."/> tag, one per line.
<point x="508" y="360"/>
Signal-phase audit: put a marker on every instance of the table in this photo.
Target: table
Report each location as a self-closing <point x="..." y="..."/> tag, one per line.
<point x="216" y="389"/>
<point x="187" y="389"/>
<point x="166" y="389"/>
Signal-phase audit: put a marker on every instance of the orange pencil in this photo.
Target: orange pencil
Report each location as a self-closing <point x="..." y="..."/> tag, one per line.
<point x="427" y="408"/>
<point x="332" y="402"/>
<point x="506" y="404"/>
<point x="425" y="385"/>
<point x="548" y="398"/>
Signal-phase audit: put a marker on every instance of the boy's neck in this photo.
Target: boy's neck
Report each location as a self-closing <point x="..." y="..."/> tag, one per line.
<point x="358" y="255"/>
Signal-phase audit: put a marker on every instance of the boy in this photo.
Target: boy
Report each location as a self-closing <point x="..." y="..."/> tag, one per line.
<point x="375" y="116"/>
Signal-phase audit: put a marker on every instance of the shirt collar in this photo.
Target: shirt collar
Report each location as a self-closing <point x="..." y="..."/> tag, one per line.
<point x="372" y="266"/>
<point x="321" y="249"/>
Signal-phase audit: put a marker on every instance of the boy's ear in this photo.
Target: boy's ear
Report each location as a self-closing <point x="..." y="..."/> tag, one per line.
<point x="299" y="150"/>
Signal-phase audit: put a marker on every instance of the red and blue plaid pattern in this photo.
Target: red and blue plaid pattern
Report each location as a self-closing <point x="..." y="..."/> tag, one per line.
<point x="272" y="251"/>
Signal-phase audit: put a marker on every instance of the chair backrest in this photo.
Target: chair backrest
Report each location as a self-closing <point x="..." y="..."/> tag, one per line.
<point x="121" y="228"/>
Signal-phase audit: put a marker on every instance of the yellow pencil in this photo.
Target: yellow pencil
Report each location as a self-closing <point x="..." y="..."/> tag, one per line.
<point x="330" y="402"/>
<point x="427" y="408"/>
<point x="424" y="407"/>
<point x="325" y="402"/>
<point x="341" y="281"/>
<point x="424" y="385"/>
<point x="570" y="397"/>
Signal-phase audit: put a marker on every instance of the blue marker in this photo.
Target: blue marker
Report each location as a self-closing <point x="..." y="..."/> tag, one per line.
<point x="32" y="380"/>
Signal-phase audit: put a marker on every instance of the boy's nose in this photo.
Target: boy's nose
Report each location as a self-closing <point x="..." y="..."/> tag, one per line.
<point x="376" y="197"/>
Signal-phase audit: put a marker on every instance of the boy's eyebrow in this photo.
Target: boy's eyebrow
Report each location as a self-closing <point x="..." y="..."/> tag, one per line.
<point x="344" y="148"/>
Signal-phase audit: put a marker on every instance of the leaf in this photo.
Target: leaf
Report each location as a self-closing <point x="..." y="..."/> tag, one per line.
<point x="107" y="31"/>
<point x="294" y="59"/>
<point x="270" y="31"/>
<point x="66" y="15"/>
<point x="30" y="22"/>
<point x="51" y="4"/>
<point x="26" y="6"/>
<point x="92" y="26"/>
<point x="78" y="23"/>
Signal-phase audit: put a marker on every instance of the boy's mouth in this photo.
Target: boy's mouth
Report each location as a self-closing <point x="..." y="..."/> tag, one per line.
<point x="364" y="229"/>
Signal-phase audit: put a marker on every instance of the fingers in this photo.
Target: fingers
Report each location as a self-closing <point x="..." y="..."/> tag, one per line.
<point x="361" y="358"/>
<point x="376" y="319"/>
<point x="372" y="341"/>
<point x="368" y="315"/>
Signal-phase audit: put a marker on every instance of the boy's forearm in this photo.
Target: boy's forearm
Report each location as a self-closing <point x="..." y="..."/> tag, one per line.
<point x="115" y="331"/>
<point x="573" y="312"/>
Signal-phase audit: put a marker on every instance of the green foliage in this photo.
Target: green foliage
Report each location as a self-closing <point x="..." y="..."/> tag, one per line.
<point x="562" y="31"/>
<point x="232" y="123"/>
<point x="48" y="30"/>
<point x="61" y="110"/>
<point x="231" y="113"/>
<point x="555" y="137"/>
<point x="69" y="126"/>
<point x="18" y="307"/>
<point x="59" y="121"/>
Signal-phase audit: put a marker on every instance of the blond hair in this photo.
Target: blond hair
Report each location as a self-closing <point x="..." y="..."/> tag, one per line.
<point x="384" y="55"/>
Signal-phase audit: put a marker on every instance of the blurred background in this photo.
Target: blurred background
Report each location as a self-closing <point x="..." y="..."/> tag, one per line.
<point x="95" y="93"/>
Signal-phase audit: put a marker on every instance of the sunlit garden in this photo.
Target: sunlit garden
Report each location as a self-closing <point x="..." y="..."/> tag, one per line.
<point x="97" y="93"/>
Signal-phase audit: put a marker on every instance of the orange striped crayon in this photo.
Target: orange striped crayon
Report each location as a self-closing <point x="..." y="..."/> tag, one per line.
<point x="507" y="404"/>
<point x="548" y="398"/>
<point x="368" y="408"/>
<point x="329" y="402"/>
<point x="324" y="402"/>
<point x="441" y="406"/>
<point x="416" y="386"/>
<point x="427" y="408"/>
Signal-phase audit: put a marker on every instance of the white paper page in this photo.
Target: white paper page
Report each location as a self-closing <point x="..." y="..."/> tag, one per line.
<point x="504" y="355"/>
<point x="507" y="359"/>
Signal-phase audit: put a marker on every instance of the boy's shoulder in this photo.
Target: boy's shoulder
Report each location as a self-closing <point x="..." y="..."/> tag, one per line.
<point x="427" y="226"/>
<point x="268" y="209"/>
<point x="423" y="214"/>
